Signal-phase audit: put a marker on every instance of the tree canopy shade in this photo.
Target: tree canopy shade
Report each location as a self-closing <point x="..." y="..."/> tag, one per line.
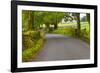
<point x="53" y="18"/>
<point x="33" y="19"/>
<point x="25" y="15"/>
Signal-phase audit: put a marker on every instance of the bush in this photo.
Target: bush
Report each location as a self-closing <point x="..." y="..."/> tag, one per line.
<point x="85" y="35"/>
<point x="32" y="41"/>
<point x="27" y="40"/>
<point x="31" y="52"/>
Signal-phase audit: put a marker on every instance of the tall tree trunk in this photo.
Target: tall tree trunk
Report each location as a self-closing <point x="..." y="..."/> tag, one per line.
<point x="30" y="20"/>
<point x="33" y="20"/>
<point x="78" y="24"/>
<point x="88" y="19"/>
<point x="56" y="25"/>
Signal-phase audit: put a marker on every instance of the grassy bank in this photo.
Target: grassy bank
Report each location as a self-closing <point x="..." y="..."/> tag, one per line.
<point x="32" y="43"/>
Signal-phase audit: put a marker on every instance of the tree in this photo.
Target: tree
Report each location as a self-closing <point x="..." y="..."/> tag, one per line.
<point x="77" y="18"/>
<point x="88" y="19"/>
<point x="35" y="18"/>
<point x="78" y="24"/>
<point x="30" y="20"/>
<point x="25" y="20"/>
<point x="58" y="18"/>
<point x="38" y="19"/>
<point x="68" y="17"/>
<point x="47" y="19"/>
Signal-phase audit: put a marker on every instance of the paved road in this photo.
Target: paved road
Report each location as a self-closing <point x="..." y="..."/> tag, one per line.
<point x="60" y="47"/>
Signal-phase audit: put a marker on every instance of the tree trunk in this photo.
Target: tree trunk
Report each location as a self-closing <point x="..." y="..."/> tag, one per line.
<point x="78" y="24"/>
<point x="30" y="20"/>
<point x="33" y="20"/>
<point x="88" y="19"/>
<point x="56" y="25"/>
<point x="48" y="26"/>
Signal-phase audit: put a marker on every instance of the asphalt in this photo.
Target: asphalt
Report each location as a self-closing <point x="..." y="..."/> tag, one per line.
<point x="60" y="47"/>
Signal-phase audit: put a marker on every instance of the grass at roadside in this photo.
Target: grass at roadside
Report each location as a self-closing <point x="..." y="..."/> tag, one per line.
<point x="71" y="31"/>
<point x="31" y="52"/>
<point x="64" y="31"/>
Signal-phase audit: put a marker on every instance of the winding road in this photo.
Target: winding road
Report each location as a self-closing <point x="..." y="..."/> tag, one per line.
<point x="60" y="47"/>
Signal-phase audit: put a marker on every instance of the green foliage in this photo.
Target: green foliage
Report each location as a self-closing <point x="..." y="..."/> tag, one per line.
<point x="85" y="25"/>
<point x="31" y="52"/>
<point x="32" y="42"/>
<point x="85" y="32"/>
<point x="88" y="17"/>
<point x="25" y="15"/>
<point x="72" y="32"/>
<point x="68" y="17"/>
<point x="85" y="35"/>
<point x="28" y="39"/>
<point x="65" y="31"/>
<point x="38" y="20"/>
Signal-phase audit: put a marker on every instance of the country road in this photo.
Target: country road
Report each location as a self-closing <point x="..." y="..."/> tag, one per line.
<point x="60" y="47"/>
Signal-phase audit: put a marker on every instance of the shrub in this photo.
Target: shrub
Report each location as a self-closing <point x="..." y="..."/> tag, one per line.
<point x="31" y="52"/>
<point x="32" y="41"/>
<point x="27" y="40"/>
<point x="85" y="35"/>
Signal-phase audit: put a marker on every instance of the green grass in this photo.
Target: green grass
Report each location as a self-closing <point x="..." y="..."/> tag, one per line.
<point x="67" y="24"/>
<point x="64" y="31"/>
<point x="70" y="31"/>
<point x="62" y="25"/>
<point x="85" y="25"/>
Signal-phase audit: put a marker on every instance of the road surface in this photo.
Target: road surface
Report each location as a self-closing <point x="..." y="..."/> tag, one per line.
<point x="60" y="47"/>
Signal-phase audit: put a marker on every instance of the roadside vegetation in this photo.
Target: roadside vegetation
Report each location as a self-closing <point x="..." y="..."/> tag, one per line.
<point x="70" y="30"/>
<point x="32" y="42"/>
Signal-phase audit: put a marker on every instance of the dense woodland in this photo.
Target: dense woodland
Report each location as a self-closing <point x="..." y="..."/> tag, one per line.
<point x="35" y="24"/>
